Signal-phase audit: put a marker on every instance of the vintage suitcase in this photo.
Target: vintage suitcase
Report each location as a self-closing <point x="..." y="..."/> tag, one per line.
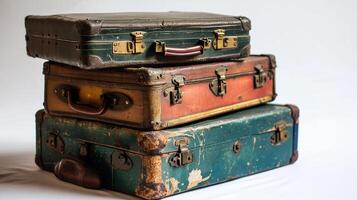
<point x="121" y="39"/>
<point x="156" y="98"/>
<point x="157" y="164"/>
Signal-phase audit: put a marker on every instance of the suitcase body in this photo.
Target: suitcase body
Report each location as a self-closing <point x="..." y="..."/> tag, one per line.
<point x="121" y="39"/>
<point x="157" y="164"/>
<point x="156" y="98"/>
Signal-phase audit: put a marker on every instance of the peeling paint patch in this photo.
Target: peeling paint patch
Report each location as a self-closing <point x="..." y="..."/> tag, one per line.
<point x="172" y="185"/>
<point x="254" y="142"/>
<point x="196" y="178"/>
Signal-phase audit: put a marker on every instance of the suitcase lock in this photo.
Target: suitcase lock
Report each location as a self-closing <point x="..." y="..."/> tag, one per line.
<point x="121" y="160"/>
<point x="183" y="155"/>
<point x="224" y="42"/>
<point x="54" y="141"/>
<point x="218" y="86"/>
<point x="280" y="134"/>
<point x="175" y="92"/>
<point x="135" y="46"/>
<point x="261" y="76"/>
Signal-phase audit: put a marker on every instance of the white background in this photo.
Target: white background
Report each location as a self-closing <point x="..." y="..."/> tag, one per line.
<point x="315" y="45"/>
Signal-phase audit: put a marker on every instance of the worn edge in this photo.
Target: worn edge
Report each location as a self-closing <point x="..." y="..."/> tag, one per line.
<point x="245" y="51"/>
<point x="217" y="111"/>
<point x="152" y="142"/>
<point x="46" y="70"/>
<point x="151" y="185"/>
<point x="38" y="156"/>
<point x="295" y="113"/>
<point x="246" y="23"/>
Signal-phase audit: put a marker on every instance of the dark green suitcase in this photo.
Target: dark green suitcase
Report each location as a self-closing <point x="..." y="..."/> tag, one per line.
<point x="157" y="164"/>
<point x="98" y="40"/>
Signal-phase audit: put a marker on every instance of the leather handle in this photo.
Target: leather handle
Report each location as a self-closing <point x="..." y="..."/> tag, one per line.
<point x="77" y="172"/>
<point x="86" y="109"/>
<point x="190" y="51"/>
<point x="116" y="101"/>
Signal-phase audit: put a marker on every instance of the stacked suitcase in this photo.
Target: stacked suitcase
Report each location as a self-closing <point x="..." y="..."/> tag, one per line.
<point x="147" y="103"/>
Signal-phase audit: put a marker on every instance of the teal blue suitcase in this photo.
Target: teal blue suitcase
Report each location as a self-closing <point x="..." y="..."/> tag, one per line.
<point x="156" y="164"/>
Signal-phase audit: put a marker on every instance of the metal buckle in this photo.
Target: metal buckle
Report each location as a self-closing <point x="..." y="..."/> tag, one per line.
<point x="54" y="141"/>
<point x="183" y="155"/>
<point x="261" y="77"/>
<point x="219" y="86"/>
<point x="280" y="134"/>
<point x="175" y="92"/>
<point x="135" y="46"/>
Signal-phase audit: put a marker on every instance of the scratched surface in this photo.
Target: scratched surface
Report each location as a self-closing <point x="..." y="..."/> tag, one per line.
<point x="151" y="176"/>
<point x="99" y="46"/>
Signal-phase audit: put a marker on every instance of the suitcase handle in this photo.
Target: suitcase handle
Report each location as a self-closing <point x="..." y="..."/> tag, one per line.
<point x="190" y="51"/>
<point x="108" y="100"/>
<point x="77" y="172"/>
<point x="161" y="47"/>
<point x="86" y="109"/>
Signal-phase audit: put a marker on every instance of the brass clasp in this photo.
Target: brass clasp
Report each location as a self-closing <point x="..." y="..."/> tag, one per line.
<point x="280" y="134"/>
<point x="135" y="46"/>
<point x="224" y="42"/>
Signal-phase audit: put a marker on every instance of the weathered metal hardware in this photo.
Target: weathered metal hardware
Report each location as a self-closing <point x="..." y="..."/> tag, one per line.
<point x="261" y="78"/>
<point x="237" y="147"/>
<point x="224" y="42"/>
<point x="121" y="161"/>
<point x="183" y="155"/>
<point x="206" y="43"/>
<point x="135" y="46"/>
<point x="280" y="134"/>
<point x="175" y="92"/>
<point x="55" y="141"/>
<point x="83" y="149"/>
<point x="218" y="86"/>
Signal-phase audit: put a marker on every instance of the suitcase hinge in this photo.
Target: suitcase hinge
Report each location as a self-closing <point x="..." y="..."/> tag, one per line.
<point x="218" y="86"/>
<point x="135" y="46"/>
<point x="280" y="134"/>
<point x="261" y="76"/>
<point x="224" y="42"/>
<point x="176" y="93"/>
<point x="183" y="156"/>
<point x="54" y="141"/>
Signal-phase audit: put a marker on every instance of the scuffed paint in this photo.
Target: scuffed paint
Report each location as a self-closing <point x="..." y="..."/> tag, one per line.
<point x="195" y="178"/>
<point x="254" y="142"/>
<point x="172" y="185"/>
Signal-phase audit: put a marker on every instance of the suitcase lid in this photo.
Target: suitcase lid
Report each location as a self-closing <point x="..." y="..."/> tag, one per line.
<point x="224" y="129"/>
<point x="92" y="23"/>
<point x="150" y="76"/>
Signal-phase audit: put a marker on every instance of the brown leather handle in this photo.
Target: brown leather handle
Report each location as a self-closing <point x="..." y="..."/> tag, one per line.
<point x="190" y="51"/>
<point x="77" y="172"/>
<point x="86" y="109"/>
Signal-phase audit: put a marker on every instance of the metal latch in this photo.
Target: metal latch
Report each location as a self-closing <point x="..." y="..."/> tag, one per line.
<point x="224" y="42"/>
<point x="261" y="76"/>
<point x="280" y="134"/>
<point x="176" y="92"/>
<point x="206" y="43"/>
<point x="137" y="45"/>
<point x="218" y="86"/>
<point x="183" y="155"/>
<point x="55" y="142"/>
<point x="121" y="160"/>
